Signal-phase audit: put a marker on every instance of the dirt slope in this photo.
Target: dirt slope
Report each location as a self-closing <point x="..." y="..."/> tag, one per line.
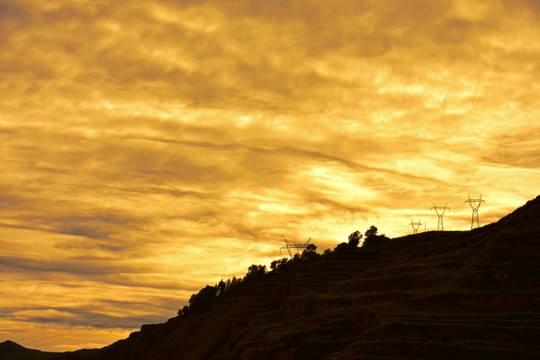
<point x="436" y="295"/>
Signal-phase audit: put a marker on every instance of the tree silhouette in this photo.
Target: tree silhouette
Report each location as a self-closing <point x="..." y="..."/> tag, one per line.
<point x="372" y="231"/>
<point x="372" y="237"/>
<point x="221" y="287"/>
<point x="310" y="253"/>
<point x="354" y="239"/>
<point x="201" y="302"/>
<point x="279" y="266"/>
<point x="342" y="247"/>
<point x="255" y="272"/>
<point x="311" y="248"/>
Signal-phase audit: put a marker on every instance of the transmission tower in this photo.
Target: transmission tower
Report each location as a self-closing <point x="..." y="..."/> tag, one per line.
<point x="288" y="246"/>
<point x="440" y="212"/>
<point x="416" y="226"/>
<point x="475" y="204"/>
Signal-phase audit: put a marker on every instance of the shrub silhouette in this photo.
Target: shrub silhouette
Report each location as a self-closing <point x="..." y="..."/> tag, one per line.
<point x="354" y="239"/>
<point x="310" y="253"/>
<point x="278" y="266"/>
<point x="201" y="302"/>
<point x="310" y="248"/>
<point x="221" y="287"/>
<point x="372" y="238"/>
<point x="255" y="272"/>
<point x="372" y="231"/>
<point x="353" y="242"/>
<point x="342" y="247"/>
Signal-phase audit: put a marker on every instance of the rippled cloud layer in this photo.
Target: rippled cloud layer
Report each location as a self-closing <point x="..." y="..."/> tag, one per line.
<point x="151" y="147"/>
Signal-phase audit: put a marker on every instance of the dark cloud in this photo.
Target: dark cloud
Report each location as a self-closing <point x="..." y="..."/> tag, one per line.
<point x="28" y="265"/>
<point x="8" y="200"/>
<point x="89" y="227"/>
<point x="12" y="10"/>
<point x="456" y="30"/>
<point x="518" y="149"/>
<point x="535" y="4"/>
<point x="84" y="317"/>
<point x="330" y="206"/>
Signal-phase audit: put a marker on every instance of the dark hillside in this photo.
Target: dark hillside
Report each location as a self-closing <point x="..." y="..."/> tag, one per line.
<point x="13" y="351"/>
<point x="436" y="295"/>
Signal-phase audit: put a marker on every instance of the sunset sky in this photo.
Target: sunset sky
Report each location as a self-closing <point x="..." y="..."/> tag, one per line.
<point x="149" y="148"/>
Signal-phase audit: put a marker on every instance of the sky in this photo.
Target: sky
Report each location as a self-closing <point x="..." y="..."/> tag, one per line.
<point x="149" y="148"/>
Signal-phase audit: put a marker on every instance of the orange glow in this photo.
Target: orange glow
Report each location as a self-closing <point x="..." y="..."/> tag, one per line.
<point x="151" y="148"/>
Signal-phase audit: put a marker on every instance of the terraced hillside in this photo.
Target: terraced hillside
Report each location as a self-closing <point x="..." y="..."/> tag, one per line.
<point x="436" y="295"/>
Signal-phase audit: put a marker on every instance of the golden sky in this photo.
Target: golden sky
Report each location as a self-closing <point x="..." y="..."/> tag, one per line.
<point x="151" y="147"/>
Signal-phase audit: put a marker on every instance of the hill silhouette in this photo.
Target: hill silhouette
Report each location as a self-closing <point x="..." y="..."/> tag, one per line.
<point x="10" y="350"/>
<point x="435" y="295"/>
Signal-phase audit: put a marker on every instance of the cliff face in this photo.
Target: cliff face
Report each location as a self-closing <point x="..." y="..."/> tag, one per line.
<point x="434" y="295"/>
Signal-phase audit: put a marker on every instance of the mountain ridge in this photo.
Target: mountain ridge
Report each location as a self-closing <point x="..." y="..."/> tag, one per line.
<point x="10" y="350"/>
<point x="433" y="295"/>
<point x="446" y="295"/>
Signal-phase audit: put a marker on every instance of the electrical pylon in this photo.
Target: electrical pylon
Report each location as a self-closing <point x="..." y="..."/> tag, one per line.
<point x="288" y="246"/>
<point x="415" y="226"/>
<point x="474" y="207"/>
<point x="440" y="225"/>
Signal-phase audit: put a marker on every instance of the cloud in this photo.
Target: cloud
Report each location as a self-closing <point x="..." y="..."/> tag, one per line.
<point x="12" y="10"/>
<point x="159" y="146"/>
<point x="75" y="267"/>
<point x="93" y="318"/>
<point x="518" y="149"/>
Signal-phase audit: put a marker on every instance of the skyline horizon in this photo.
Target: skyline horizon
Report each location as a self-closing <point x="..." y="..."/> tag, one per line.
<point x="151" y="147"/>
<point x="71" y="332"/>
<point x="53" y="339"/>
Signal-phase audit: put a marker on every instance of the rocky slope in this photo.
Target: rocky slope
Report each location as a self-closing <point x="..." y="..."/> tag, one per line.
<point x="444" y="295"/>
